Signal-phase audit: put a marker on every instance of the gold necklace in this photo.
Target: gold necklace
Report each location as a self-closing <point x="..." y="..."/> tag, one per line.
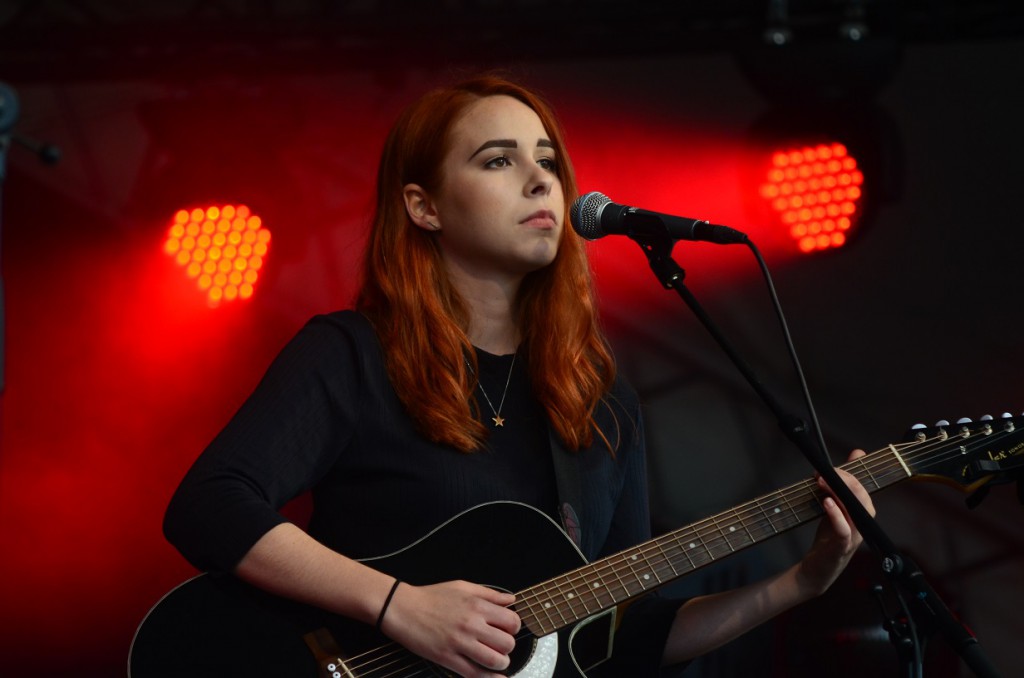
<point x="497" y="418"/>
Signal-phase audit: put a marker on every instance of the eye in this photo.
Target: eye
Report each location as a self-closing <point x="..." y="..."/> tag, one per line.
<point x="500" y="161"/>
<point x="549" y="164"/>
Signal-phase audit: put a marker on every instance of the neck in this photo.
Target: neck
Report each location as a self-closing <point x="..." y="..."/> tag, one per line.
<point x="491" y="304"/>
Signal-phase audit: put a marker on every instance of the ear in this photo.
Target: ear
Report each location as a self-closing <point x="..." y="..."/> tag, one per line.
<point x="420" y="207"/>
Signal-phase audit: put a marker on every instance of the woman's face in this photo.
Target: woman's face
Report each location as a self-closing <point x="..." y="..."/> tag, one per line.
<point x="500" y="206"/>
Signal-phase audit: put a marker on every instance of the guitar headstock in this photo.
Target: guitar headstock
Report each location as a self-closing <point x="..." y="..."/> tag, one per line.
<point x="967" y="454"/>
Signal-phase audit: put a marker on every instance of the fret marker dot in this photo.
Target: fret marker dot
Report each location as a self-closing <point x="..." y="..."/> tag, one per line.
<point x="692" y="545"/>
<point x="597" y="585"/>
<point x="547" y="604"/>
<point x="732" y="529"/>
<point x="778" y="510"/>
<point x="647" y="576"/>
<point x="571" y="596"/>
<point x="634" y="558"/>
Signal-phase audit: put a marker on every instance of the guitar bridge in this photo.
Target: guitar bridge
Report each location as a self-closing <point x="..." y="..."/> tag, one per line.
<point x="328" y="655"/>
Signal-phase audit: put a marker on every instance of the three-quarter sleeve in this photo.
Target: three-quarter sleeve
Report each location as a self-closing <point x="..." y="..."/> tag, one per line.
<point x="283" y="438"/>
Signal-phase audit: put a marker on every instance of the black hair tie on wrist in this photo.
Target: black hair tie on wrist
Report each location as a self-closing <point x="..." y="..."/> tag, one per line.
<point x="387" y="601"/>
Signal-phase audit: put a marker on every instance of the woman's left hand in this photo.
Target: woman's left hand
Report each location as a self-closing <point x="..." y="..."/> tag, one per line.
<point x="837" y="537"/>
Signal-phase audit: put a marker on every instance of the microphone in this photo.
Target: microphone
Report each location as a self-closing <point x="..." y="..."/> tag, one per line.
<point x="594" y="216"/>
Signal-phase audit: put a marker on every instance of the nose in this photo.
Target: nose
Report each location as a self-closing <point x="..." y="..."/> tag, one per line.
<point x="539" y="182"/>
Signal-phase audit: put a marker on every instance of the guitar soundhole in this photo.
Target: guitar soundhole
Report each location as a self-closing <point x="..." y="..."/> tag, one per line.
<point x="521" y="655"/>
<point x="534" y="657"/>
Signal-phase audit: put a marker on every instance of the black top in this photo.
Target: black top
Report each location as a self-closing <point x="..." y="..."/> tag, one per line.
<point x="325" y="418"/>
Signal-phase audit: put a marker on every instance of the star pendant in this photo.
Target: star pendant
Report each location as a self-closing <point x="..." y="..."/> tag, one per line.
<point x="498" y="420"/>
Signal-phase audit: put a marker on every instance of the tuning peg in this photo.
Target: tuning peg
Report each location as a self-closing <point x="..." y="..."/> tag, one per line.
<point x="917" y="427"/>
<point x="920" y="435"/>
<point x="1006" y="415"/>
<point x="941" y="422"/>
<point x="985" y="417"/>
<point x="964" y="420"/>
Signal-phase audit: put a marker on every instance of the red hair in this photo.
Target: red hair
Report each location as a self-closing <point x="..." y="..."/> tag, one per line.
<point x="420" y="317"/>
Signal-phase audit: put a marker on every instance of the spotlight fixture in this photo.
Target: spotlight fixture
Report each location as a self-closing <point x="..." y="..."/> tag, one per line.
<point x="816" y="193"/>
<point x="221" y="248"/>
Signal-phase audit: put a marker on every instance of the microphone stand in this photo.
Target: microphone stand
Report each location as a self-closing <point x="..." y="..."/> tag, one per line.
<point x="902" y="571"/>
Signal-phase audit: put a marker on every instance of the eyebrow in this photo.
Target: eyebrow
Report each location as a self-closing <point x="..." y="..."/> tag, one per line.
<point x="508" y="143"/>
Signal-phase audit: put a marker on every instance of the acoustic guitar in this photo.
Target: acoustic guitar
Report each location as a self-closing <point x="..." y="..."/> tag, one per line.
<point x="218" y="626"/>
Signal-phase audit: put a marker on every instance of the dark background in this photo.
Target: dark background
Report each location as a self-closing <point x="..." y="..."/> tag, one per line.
<point x="117" y="373"/>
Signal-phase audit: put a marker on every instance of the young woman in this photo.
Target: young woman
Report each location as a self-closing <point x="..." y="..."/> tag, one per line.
<point x="473" y="370"/>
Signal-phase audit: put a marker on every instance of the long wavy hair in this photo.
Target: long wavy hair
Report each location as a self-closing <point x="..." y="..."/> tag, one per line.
<point x="422" y="320"/>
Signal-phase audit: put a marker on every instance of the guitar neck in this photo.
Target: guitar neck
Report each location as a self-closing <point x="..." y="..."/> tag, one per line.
<point x="570" y="598"/>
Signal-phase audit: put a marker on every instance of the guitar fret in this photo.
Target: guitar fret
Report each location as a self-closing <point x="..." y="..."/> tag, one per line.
<point x="616" y="565"/>
<point x="632" y="561"/>
<point x="686" y="553"/>
<point x="549" y="608"/>
<point x="741" y="539"/>
<point x="789" y="505"/>
<point x="766" y="520"/>
<point x="696" y="547"/>
<point x="598" y="585"/>
<point x="810" y="507"/>
<point x="575" y="596"/>
<point x="621" y="583"/>
<point x="755" y="529"/>
<point x="665" y="558"/>
<point x="775" y="510"/>
<point x="725" y="537"/>
<point x="710" y="542"/>
<point x="599" y="594"/>
<point x="546" y="604"/>
<point x="528" y="612"/>
<point x="871" y="476"/>
<point x="746" y="528"/>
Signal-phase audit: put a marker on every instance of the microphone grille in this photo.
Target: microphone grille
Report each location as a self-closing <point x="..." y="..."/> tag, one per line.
<point x="585" y="214"/>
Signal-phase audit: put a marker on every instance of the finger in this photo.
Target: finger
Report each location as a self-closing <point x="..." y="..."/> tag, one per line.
<point x="497" y="640"/>
<point x="859" y="491"/>
<point x="837" y="518"/>
<point x="469" y="669"/>
<point x="497" y="597"/>
<point x="506" y="620"/>
<point x="487" y="658"/>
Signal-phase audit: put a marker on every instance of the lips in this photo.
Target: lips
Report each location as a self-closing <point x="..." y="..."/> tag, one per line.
<point x="541" y="219"/>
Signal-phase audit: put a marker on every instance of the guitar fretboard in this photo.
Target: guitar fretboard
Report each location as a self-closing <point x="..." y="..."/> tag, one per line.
<point x="574" y="596"/>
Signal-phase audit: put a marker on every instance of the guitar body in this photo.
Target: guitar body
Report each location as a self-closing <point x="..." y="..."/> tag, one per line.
<point x="218" y="626"/>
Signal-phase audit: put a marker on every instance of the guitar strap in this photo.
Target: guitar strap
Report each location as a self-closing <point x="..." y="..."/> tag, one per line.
<point x="570" y="489"/>
<point x="591" y="641"/>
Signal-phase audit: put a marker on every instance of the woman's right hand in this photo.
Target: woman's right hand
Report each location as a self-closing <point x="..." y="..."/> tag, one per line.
<point x="464" y="627"/>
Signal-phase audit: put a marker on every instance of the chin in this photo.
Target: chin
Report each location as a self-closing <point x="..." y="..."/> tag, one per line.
<point x="543" y="256"/>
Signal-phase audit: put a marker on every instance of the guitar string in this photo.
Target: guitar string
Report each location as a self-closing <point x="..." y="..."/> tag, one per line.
<point x="866" y="464"/>
<point x="877" y="469"/>
<point x="387" y="658"/>
<point x="388" y="661"/>
<point x="874" y="469"/>
<point x="413" y="662"/>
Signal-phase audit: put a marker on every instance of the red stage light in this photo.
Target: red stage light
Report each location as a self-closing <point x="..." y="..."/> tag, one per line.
<point x="816" y="192"/>
<point x="222" y="248"/>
